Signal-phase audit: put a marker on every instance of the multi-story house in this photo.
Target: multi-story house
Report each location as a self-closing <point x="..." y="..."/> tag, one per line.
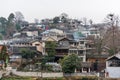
<point x="62" y="48"/>
<point x="79" y="48"/>
<point x="66" y="46"/>
<point x="76" y="43"/>
<point x="16" y="47"/>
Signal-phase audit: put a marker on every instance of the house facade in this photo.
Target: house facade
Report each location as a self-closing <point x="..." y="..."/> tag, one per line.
<point x="113" y="66"/>
<point x="38" y="45"/>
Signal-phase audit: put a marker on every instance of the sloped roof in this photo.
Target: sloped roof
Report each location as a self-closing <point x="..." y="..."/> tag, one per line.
<point x="54" y="38"/>
<point x="57" y="31"/>
<point x="36" y="40"/>
<point x="116" y="55"/>
<point x="63" y="38"/>
<point x="29" y="29"/>
<point x="22" y="41"/>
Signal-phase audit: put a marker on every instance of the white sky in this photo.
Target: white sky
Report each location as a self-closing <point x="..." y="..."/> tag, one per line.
<point x="31" y="9"/>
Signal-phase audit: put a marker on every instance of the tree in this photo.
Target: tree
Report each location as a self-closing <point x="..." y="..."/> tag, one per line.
<point x="112" y="20"/>
<point x="56" y="20"/>
<point x="19" y="16"/>
<point x="69" y="63"/>
<point x="64" y="17"/>
<point x="98" y="45"/>
<point x="4" y="55"/>
<point x="3" y="22"/>
<point x="10" y="25"/>
<point x="11" y="18"/>
<point x="27" y="53"/>
<point x="18" y="26"/>
<point x="19" y="19"/>
<point x="111" y="38"/>
<point x="50" y="49"/>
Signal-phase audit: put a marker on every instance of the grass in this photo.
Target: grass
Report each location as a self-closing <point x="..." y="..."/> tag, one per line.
<point x="18" y="78"/>
<point x="60" y="78"/>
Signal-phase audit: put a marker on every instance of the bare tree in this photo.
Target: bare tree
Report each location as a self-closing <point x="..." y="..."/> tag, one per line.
<point x="111" y="38"/>
<point x="19" y="16"/>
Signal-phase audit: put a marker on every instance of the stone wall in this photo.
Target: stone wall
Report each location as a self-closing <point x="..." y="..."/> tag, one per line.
<point x="51" y="74"/>
<point x="38" y="74"/>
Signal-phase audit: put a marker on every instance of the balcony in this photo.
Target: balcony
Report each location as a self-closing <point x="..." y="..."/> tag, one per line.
<point x="61" y="54"/>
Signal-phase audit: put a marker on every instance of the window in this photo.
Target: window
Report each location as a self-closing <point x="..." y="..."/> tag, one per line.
<point x="73" y="51"/>
<point x="81" y="42"/>
<point x="37" y="44"/>
<point x="80" y="52"/>
<point x="114" y="63"/>
<point x="64" y="43"/>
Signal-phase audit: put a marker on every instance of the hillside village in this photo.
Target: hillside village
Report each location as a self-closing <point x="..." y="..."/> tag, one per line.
<point x="42" y="46"/>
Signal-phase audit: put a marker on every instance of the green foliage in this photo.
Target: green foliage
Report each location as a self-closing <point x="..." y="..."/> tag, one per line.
<point x="44" y="60"/>
<point x="3" y="21"/>
<point x="50" y="44"/>
<point x="10" y="25"/>
<point x="27" y="53"/>
<point x="50" y="49"/>
<point x="111" y="51"/>
<point x="69" y="63"/>
<point x="17" y="78"/>
<point x="3" y="25"/>
<point x="89" y="78"/>
<point x="48" y="67"/>
<point x="59" y="78"/>
<point x="18" y="26"/>
<point x="4" y="55"/>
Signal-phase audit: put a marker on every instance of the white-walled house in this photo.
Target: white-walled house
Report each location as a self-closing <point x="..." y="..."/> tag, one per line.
<point x="113" y="66"/>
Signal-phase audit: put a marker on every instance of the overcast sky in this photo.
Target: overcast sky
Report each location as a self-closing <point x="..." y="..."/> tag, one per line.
<point x="31" y="9"/>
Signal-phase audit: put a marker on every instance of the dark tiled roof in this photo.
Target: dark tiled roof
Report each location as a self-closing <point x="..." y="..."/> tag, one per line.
<point x="70" y="36"/>
<point x="29" y="29"/>
<point x="21" y="40"/>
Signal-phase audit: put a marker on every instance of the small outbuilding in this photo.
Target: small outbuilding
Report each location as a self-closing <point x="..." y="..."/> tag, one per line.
<point x="113" y="66"/>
